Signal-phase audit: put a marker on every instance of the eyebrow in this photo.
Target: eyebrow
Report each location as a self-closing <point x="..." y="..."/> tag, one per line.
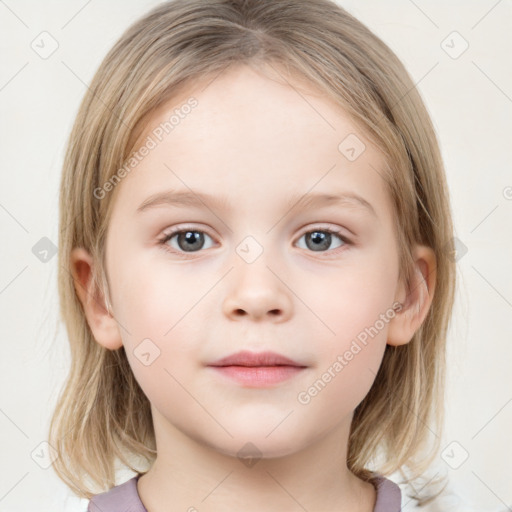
<point x="305" y="201"/>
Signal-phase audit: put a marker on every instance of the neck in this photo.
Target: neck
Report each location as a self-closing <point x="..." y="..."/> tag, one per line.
<point x="191" y="476"/>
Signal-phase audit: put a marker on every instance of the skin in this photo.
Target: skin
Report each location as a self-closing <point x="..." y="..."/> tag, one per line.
<point x="257" y="140"/>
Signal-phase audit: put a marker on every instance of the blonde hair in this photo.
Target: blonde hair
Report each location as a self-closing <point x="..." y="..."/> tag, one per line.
<point x="102" y="416"/>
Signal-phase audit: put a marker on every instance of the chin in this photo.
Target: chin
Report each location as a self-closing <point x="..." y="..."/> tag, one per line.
<point x="256" y="443"/>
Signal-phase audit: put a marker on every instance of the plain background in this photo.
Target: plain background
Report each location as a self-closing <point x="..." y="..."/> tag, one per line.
<point x="469" y="97"/>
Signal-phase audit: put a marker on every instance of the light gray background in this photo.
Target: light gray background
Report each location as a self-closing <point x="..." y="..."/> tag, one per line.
<point x="469" y="98"/>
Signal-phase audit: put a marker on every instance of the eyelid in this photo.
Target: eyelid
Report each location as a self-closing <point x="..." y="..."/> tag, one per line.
<point x="184" y="227"/>
<point x="339" y="231"/>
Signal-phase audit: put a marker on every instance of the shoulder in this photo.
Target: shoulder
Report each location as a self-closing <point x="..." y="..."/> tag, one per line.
<point x="121" y="497"/>
<point x="389" y="496"/>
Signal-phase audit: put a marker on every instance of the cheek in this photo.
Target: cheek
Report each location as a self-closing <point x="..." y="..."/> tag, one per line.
<point x="158" y="315"/>
<point x="348" y="359"/>
<point x="160" y="340"/>
<point x="351" y="299"/>
<point x="354" y="306"/>
<point x="153" y="302"/>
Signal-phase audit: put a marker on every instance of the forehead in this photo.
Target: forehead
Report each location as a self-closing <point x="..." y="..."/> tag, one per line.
<point x="253" y="134"/>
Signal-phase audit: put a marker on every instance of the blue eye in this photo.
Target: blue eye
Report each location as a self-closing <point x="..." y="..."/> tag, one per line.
<point x="187" y="240"/>
<point x="319" y="240"/>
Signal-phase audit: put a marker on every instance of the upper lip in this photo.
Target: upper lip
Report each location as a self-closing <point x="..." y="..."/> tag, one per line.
<point x="246" y="358"/>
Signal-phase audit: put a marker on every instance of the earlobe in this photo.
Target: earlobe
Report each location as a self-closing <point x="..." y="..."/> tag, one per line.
<point x="416" y="300"/>
<point x="101" y="322"/>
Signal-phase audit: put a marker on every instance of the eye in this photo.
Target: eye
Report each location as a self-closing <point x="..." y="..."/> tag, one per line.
<point x="319" y="240"/>
<point x="190" y="240"/>
<point x="184" y="240"/>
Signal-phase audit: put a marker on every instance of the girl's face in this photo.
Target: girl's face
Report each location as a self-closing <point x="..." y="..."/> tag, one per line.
<point x="257" y="173"/>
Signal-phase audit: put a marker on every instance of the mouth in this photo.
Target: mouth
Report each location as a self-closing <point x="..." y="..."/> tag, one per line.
<point x="257" y="369"/>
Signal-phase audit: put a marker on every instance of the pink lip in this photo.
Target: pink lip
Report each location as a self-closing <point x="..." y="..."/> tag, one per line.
<point x="246" y="358"/>
<point x="257" y="369"/>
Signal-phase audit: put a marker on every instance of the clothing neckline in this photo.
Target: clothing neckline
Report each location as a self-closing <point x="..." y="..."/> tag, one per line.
<point x="388" y="496"/>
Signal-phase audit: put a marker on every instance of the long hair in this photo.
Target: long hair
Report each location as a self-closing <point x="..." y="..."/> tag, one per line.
<point x="102" y="416"/>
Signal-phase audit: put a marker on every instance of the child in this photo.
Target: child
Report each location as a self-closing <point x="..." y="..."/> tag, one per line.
<point x="264" y="369"/>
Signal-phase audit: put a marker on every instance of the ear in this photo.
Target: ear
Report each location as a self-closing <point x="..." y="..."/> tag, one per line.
<point x="103" y="325"/>
<point x="416" y="300"/>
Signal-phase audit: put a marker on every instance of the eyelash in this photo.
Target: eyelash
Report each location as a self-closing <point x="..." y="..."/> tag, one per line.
<point x="170" y="234"/>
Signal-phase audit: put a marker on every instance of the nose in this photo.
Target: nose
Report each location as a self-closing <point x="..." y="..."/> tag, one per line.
<point x="258" y="292"/>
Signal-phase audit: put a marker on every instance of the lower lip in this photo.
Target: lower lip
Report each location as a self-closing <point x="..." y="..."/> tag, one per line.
<point x="258" y="376"/>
